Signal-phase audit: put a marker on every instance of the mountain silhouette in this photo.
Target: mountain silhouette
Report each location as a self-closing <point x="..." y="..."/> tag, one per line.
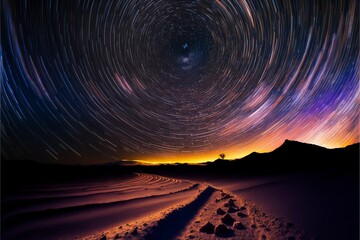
<point x="292" y="156"/>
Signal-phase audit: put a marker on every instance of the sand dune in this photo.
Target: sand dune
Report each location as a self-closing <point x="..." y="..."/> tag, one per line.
<point x="89" y="207"/>
<point x="149" y="206"/>
<point x="198" y="218"/>
<point x="325" y="204"/>
<point x="66" y="196"/>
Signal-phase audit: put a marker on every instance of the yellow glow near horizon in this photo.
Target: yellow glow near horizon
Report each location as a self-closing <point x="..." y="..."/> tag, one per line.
<point x="237" y="152"/>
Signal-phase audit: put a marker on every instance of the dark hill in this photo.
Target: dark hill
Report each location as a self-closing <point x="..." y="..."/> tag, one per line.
<point x="292" y="156"/>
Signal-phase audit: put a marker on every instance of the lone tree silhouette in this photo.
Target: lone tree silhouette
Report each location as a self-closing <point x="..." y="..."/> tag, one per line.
<point x="222" y="155"/>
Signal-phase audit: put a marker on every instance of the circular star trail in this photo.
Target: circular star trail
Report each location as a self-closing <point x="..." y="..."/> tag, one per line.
<point x="92" y="81"/>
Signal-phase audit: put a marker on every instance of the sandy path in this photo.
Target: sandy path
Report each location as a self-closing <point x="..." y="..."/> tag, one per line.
<point x="224" y="214"/>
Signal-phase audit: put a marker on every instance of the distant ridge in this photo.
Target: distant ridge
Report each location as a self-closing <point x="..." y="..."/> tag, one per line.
<point x="293" y="156"/>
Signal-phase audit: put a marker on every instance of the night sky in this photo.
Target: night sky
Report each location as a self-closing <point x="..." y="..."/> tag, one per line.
<point x="165" y="80"/>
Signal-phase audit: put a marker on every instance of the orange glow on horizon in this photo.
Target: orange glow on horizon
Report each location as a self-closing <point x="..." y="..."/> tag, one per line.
<point x="237" y="152"/>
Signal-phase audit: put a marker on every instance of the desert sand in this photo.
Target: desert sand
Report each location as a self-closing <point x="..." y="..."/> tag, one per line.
<point x="324" y="204"/>
<point x="150" y="206"/>
<point x="207" y="213"/>
<point x="139" y="206"/>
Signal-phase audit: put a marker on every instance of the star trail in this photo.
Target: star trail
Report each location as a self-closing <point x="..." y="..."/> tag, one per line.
<point x="165" y="80"/>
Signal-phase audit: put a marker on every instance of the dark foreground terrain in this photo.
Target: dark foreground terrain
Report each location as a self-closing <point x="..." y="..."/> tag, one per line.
<point x="298" y="190"/>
